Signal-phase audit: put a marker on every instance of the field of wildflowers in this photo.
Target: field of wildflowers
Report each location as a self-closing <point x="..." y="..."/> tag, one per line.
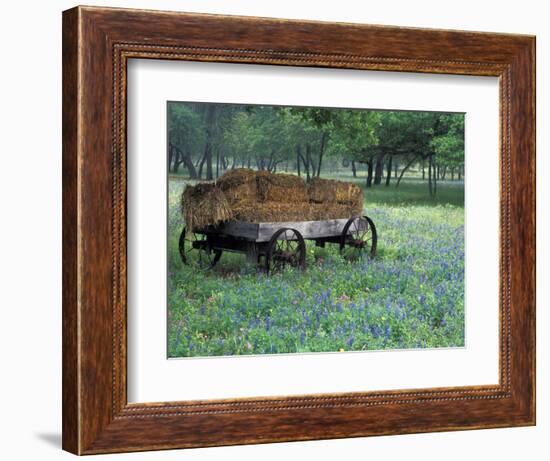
<point x="410" y="296"/>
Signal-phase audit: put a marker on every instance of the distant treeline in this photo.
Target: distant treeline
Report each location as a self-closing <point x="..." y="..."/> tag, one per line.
<point x="208" y="138"/>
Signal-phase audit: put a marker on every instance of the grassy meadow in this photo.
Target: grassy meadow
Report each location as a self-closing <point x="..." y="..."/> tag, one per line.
<point x="410" y="296"/>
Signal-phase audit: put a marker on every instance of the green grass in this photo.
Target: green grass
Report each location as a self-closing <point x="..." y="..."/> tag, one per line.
<point x="410" y="296"/>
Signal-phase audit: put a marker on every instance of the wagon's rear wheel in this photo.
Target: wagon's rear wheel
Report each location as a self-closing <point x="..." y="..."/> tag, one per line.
<point x="285" y="248"/>
<point x="358" y="236"/>
<point x="195" y="248"/>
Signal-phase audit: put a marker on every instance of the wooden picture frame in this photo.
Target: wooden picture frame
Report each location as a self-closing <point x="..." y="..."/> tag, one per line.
<point x="97" y="43"/>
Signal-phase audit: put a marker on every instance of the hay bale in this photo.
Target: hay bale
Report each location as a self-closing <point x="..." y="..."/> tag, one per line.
<point x="238" y="185"/>
<point x="204" y="205"/>
<point x="323" y="211"/>
<point x="332" y="191"/>
<point x="236" y="177"/>
<point x="349" y="194"/>
<point x="321" y="191"/>
<point x="281" y="212"/>
<point x="280" y="187"/>
<point x="274" y="212"/>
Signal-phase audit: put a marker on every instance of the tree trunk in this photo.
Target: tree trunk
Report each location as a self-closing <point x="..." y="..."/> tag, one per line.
<point x="201" y="165"/>
<point x="308" y="162"/>
<point x="170" y="155"/>
<point x="305" y="160"/>
<point x="272" y="164"/>
<point x="210" y="128"/>
<point x="298" y="155"/>
<point x="369" y="172"/>
<point x="321" y="152"/>
<point x="430" y="175"/>
<point x="436" y="168"/>
<point x="407" y="166"/>
<point x="388" y="175"/>
<point x="378" y="170"/>
<point x="423" y="170"/>
<point x="208" y="160"/>
<point x="353" y="169"/>
<point x="396" y="168"/>
<point x="189" y="165"/>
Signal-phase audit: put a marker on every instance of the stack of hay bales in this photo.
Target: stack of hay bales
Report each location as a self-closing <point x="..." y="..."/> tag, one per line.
<point x="259" y="196"/>
<point x="204" y="205"/>
<point x="279" y="197"/>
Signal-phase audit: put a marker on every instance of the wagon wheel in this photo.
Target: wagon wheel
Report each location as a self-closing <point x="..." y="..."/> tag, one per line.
<point x="199" y="243"/>
<point x="286" y="247"/>
<point x="359" y="234"/>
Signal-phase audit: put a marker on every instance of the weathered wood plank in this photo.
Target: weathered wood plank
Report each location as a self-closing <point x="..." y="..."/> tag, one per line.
<point x="262" y="232"/>
<point x="240" y="229"/>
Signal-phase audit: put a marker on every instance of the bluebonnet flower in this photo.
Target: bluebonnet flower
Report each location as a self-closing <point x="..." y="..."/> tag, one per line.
<point x="387" y="332"/>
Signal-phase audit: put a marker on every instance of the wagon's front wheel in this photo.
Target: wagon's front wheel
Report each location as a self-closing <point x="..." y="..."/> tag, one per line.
<point x="195" y="248"/>
<point x="359" y="235"/>
<point x="285" y="248"/>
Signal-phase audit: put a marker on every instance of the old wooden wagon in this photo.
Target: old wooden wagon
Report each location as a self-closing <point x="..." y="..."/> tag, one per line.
<point x="273" y="245"/>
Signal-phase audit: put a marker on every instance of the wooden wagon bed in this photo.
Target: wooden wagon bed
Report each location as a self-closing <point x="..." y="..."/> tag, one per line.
<point x="262" y="232"/>
<point x="271" y="245"/>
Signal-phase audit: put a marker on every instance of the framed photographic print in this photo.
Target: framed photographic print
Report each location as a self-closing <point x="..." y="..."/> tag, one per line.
<point x="284" y="230"/>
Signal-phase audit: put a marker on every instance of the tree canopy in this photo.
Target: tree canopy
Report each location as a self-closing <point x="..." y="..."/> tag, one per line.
<point x="208" y="138"/>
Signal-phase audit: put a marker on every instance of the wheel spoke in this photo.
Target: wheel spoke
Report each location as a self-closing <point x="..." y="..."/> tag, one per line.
<point x="358" y="236"/>
<point x="205" y="258"/>
<point x="286" y="248"/>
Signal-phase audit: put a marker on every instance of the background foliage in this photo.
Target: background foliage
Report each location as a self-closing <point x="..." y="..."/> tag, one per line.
<point x="206" y="139"/>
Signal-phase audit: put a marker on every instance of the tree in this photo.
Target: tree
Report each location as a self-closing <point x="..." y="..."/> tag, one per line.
<point x="213" y="137"/>
<point x="419" y="137"/>
<point x="321" y="123"/>
<point x="185" y="134"/>
<point x="353" y="137"/>
<point x="449" y="143"/>
<point x="256" y="137"/>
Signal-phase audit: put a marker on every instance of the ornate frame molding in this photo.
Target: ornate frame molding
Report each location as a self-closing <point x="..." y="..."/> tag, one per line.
<point x="97" y="43"/>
